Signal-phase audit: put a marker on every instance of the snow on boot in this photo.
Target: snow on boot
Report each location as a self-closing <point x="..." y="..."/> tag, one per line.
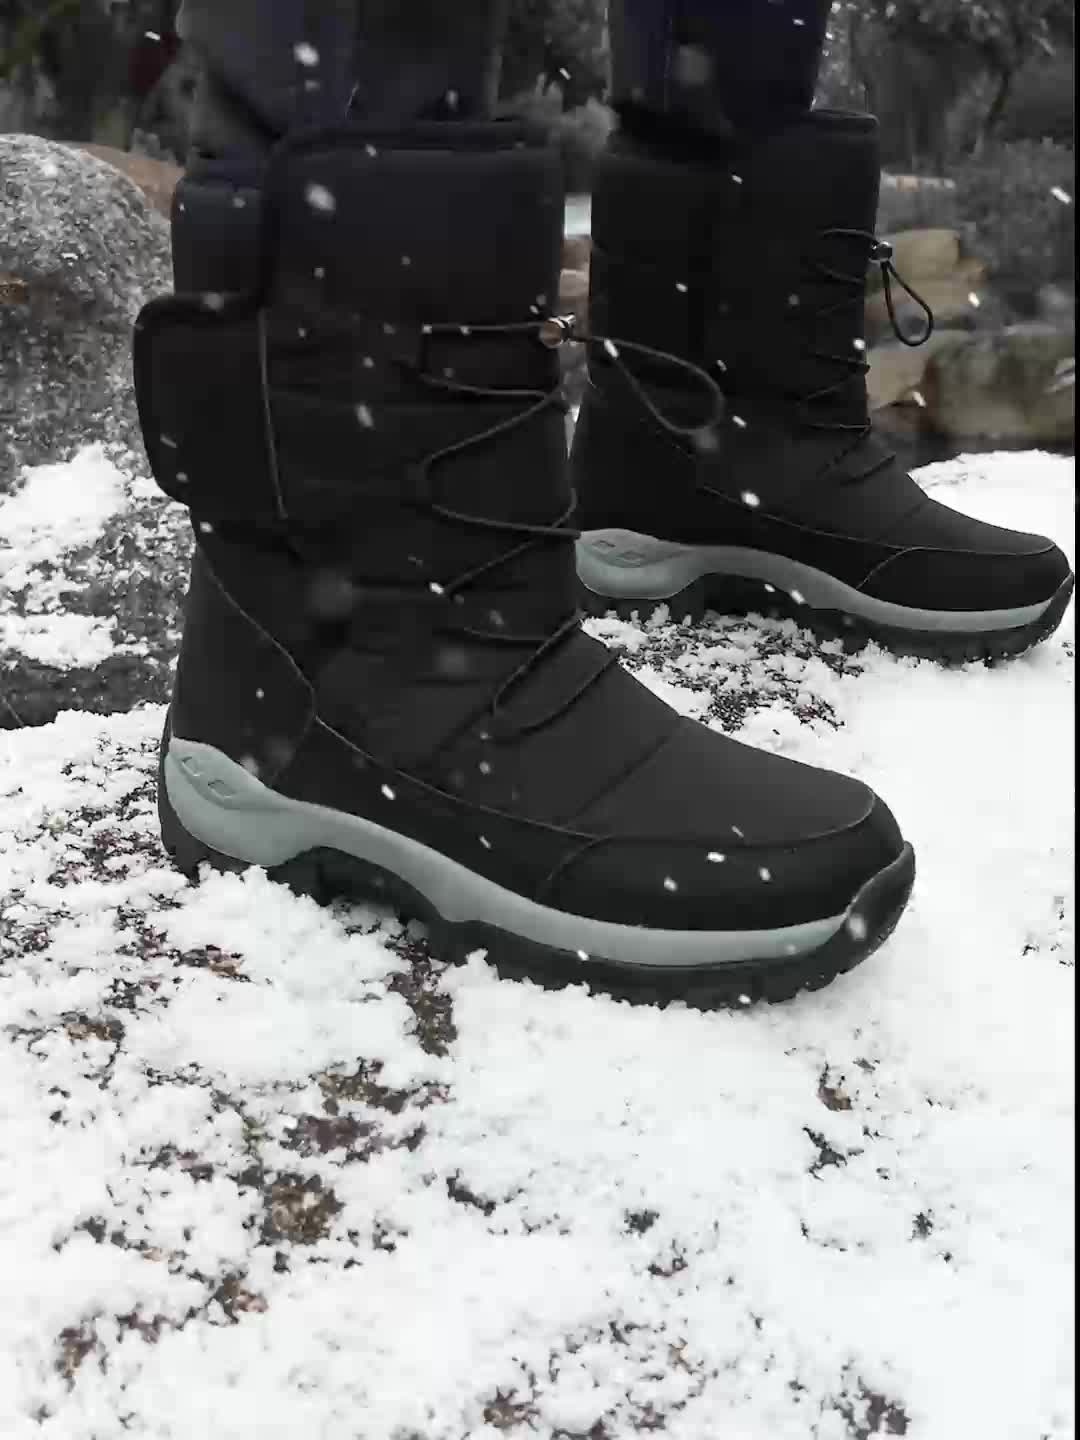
<point x="383" y="688"/>
<point x="749" y="258"/>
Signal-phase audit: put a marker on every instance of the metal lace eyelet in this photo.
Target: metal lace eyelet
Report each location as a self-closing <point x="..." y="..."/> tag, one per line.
<point x="883" y="251"/>
<point x="555" y="330"/>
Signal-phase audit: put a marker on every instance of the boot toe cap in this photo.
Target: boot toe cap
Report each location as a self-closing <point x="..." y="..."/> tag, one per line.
<point x="684" y="886"/>
<point x="748" y="841"/>
<point x="972" y="580"/>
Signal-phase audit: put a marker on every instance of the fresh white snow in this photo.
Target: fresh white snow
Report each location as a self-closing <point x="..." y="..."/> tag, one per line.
<point x="59" y="639"/>
<point x="54" y="511"/>
<point x="243" y="1194"/>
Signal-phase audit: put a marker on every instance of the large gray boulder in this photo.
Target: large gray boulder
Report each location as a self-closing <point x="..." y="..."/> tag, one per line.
<point x="92" y="558"/>
<point x="81" y="250"/>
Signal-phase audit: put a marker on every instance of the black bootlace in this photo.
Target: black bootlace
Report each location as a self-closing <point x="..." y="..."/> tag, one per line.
<point x="550" y="331"/>
<point x="880" y="253"/>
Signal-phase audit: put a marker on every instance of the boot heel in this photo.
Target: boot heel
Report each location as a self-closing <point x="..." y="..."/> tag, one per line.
<point x="186" y="850"/>
<point x="688" y="604"/>
<point x="630" y="573"/>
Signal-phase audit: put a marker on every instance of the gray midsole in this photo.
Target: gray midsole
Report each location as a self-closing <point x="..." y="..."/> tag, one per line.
<point x="623" y="565"/>
<point x="227" y="808"/>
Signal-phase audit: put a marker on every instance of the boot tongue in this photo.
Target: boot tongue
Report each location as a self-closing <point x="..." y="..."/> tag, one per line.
<point x="803" y="204"/>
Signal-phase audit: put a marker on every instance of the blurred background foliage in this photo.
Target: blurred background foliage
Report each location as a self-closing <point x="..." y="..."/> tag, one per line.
<point x="947" y="78"/>
<point x="977" y="91"/>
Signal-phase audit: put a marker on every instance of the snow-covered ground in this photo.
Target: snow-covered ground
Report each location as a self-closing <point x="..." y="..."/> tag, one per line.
<point x="91" y="577"/>
<point x="269" y="1171"/>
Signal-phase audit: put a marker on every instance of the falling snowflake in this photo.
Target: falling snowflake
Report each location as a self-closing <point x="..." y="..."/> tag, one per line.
<point x="484" y="767"/>
<point x="919" y="398"/>
<point x="436" y="588"/>
<point x="320" y="198"/>
<point x="973" y="299"/>
<point x="859" y="345"/>
<point x="370" y="150"/>
<point x="368" y="363"/>
<point x="305" y="54"/>
<point x="610" y="348"/>
<point x="715" y="857"/>
<point x="737" y="179"/>
<point x="260" y="694"/>
<point x="736" y="831"/>
<point x="451" y="99"/>
<point x="205" y="528"/>
<point x="798" y="597"/>
<point x="485" y="842"/>
<point x="251" y="765"/>
<point x="749" y="498"/>
<point x="765" y="874"/>
<point x="213" y="300"/>
<point x="856" y="927"/>
<point x="744" y="1000"/>
<point x="583" y="955"/>
<point x="388" y="792"/>
<point x="1059" y="194"/>
<point x="320" y="272"/>
<point x="364" y="415"/>
<point x="670" y="884"/>
<point x="739" y="421"/>
<point x="681" y="287"/>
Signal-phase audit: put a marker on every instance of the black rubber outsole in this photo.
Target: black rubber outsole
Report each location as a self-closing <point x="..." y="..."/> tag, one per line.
<point x="731" y="595"/>
<point x="328" y="875"/>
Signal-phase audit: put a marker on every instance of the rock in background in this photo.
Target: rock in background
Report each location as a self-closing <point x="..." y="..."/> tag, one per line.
<point x="978" y="381"/>
<point x="93" y="569"/>
<point x="92" y="558"/>
<point x="1013" y="386"/>
<point x="157" y="179"/>
<point x="81" y="251"/>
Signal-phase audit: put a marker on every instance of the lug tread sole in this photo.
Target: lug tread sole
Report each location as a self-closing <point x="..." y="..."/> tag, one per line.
<point x="327" y="875"/>
<point x="730" y="595"/>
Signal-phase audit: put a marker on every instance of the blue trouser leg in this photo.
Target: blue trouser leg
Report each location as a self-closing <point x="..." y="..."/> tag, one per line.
<point x="272" y="65"/>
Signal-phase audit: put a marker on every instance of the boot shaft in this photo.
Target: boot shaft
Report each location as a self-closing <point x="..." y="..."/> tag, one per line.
<point x="748" y="257"/>
<point x="365" y="427"/>
<point x="379" y="315"/>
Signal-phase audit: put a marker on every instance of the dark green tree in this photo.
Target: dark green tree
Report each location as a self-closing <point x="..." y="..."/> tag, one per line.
<point x="911" y="61"/>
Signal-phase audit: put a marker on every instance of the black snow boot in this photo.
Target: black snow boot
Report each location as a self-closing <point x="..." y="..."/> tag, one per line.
<point x="383" y="687"/>
<point x="749" y="258"/>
